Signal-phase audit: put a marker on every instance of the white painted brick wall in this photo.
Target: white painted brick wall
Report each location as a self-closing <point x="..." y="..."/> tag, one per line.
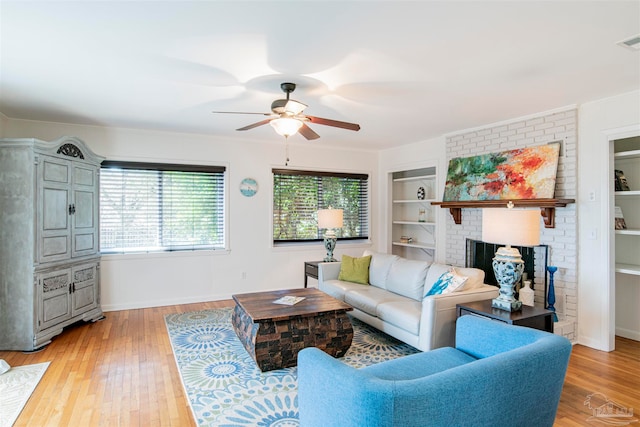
<point x="562" y="240"/>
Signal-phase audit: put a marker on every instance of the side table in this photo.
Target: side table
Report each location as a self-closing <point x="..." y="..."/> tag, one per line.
<point x="310" y="270"/>
<point x="532" y="317"/>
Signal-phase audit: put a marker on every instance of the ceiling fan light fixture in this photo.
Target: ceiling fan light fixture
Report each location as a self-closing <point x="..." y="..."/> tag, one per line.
<point x="286" y="126"/>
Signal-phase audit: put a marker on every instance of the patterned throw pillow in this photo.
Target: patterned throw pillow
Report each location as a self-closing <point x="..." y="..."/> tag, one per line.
<point x="448" y="282"/>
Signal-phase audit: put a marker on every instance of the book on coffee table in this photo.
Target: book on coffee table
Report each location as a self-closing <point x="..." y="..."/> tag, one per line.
<point x="288" y="300"/>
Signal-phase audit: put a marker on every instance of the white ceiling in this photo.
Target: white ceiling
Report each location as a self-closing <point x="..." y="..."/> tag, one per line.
<point x="405" y="71"/>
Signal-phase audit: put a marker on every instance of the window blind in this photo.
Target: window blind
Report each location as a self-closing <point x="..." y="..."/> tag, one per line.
<point x="147" y="207"/>
<point x="297" y="196"/>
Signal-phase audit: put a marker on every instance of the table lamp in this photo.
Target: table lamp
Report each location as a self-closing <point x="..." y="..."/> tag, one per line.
<point x="509" y="226"/>
<point x="330" y="219"/>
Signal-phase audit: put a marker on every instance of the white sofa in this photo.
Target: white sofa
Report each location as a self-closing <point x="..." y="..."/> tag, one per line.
<point x="394" y="301"/>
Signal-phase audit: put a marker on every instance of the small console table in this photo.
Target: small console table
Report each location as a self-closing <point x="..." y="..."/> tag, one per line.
<point x="532" y="317"/>
<point x="310" y="270"/>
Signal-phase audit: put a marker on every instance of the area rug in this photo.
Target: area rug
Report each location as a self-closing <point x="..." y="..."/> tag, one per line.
<point x="225" y="387"/>
<point x="16" y="386"/>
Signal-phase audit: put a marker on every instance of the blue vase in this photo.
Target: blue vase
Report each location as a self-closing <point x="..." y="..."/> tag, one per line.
<point x="551" y="298"/>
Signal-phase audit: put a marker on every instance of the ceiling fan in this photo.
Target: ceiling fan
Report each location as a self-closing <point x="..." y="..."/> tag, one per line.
<point x="286" y="117"/>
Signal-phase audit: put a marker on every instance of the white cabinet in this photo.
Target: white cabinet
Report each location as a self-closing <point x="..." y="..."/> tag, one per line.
<point x="49" y="270"/>
<point x="413" y="219"/>
<point x="627" y="241"/>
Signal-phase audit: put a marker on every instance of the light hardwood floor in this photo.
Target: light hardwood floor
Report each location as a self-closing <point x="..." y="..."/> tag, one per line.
<point x="121" y="372"/>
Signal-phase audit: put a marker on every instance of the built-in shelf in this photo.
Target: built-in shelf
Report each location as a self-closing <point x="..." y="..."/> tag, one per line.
<point x="627" y="193"/>
<point x="415" y="178"/>
<point x="414" y="222"/>
<point x="416" y="245"/>
<point x="623" y="155"/>
<point x="625" y="243"/>
<point x="628" y="269"/>
<point x="628" y="231"/>
<point x="547" y="207"/>
<point x="412" y="192"/>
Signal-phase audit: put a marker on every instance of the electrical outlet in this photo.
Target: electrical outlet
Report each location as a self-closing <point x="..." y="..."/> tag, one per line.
<point x="243" y="275"/>
<point x="592" y="196"/>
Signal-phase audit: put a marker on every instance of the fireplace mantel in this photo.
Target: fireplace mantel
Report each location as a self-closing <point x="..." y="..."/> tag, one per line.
<point x="547" y="207"/>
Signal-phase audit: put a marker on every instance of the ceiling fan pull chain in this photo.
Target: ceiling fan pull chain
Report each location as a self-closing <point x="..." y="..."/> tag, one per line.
<point x="286" y="151"/>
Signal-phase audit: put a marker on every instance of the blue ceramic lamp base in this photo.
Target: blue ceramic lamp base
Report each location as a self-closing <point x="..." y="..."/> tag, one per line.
<point x="507" y="267"/>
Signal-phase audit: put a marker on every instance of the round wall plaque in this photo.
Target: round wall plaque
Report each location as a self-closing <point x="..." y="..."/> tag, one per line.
<point x="248" y="187"/>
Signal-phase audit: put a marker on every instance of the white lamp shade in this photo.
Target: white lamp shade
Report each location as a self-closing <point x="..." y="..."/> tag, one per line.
<point x="286" y="126"/>
<point x="512" y="227"/>
<point x="330" y="218"/>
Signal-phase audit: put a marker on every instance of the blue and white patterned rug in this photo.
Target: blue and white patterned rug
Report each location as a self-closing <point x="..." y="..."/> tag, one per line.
<point x="225" y="387"/>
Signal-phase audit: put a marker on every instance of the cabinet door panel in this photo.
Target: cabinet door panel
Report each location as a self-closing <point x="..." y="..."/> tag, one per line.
<point x="84" y="297"/>
<point x="54" y="247"/>
<point x="84" y="176"/>
<point x="55" y="214"/>
<point x="85" y="218"/>
<point x="55" y="299"/>
<point x="54" y="228"/>
<point x="84" y="214"/>
<point x="55" y="171"/>
<point x="84" y="242"/>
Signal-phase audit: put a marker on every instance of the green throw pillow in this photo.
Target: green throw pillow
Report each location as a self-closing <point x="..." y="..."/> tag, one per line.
<point x="355" y="269"/>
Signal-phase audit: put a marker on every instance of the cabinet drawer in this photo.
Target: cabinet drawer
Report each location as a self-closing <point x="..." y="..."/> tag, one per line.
<point x="311" y="270"/>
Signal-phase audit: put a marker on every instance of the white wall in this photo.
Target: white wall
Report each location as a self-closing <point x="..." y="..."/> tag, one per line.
<point x="144" y="280"/>
<point x="599" y="121"/>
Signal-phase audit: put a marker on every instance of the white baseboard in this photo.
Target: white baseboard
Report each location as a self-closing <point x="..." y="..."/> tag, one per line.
<point x="628" y="333"/>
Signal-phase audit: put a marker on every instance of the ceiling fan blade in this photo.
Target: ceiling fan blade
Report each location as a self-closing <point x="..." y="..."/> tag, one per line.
<point x="334" y="123"/>
<point x="239" y="112"/>
<point x="255" y="125"/>
<point x="307" y="132"/>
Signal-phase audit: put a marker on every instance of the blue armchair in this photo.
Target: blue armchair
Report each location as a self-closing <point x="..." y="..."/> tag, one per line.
<point x="498" y="375"/>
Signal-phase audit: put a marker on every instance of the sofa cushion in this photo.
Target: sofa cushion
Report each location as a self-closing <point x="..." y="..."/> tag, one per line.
<point x="475" y="276"/>
<point x="379" y="268"/>
<point x="355" y="270"/>
<point x="367" y="298"/>
<point x="407" y="277"/>
<point x="448" y="282"/>
<point x="403" y="313"/>
<point x="338" y="288"/>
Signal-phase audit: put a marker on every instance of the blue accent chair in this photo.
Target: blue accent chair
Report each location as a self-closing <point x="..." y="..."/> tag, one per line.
<point x="498" y="375"/>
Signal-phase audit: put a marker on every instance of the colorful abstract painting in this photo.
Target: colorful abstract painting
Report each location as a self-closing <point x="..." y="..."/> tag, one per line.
<point x="525" y="173"/>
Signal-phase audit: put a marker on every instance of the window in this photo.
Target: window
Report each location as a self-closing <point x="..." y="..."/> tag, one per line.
<point x="147" y="207"/>
<point x="297" y="196"/>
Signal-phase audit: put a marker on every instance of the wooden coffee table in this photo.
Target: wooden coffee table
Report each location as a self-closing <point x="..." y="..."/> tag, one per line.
<point x="273" y="334"/>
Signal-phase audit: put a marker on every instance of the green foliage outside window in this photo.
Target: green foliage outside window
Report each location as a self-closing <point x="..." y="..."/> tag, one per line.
<point x="297" y="196"/>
